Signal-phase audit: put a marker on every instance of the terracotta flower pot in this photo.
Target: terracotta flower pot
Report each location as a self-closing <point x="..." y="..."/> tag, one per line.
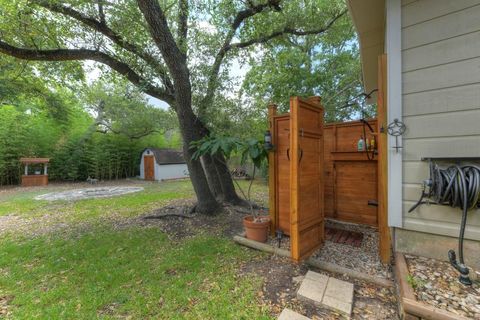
<point x="257" y="229"/>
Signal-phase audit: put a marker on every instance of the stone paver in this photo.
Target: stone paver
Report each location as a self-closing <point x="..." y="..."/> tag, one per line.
<point x="288" y="314"/>
<point x="313" y="288"/>
<point x="340" y="290"/>
<point x="322" y="290"/>
<point x="338" y="305"/>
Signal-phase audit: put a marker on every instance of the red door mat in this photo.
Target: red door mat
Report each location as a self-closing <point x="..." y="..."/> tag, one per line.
<point x="344" y="236"/>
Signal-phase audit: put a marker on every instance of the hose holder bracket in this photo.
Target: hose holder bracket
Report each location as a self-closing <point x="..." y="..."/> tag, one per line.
<point x="456" y="185"/>
<point x="396" y="129"/>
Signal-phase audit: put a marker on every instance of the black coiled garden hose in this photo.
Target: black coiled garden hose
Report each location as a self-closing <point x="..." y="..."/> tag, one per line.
<point x="457" y="186"/>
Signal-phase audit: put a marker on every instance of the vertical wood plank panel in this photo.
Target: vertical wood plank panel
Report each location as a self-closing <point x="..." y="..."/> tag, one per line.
<point x="282" y="172"/>
<point x="384" y="231"/>
<point x="306" y="176"/>
<point x="272" y="111"/>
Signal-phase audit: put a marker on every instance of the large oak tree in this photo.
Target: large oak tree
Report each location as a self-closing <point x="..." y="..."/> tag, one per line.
<point x="175" y="51"/>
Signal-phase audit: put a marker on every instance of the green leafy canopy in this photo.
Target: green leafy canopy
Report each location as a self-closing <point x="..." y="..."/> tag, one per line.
<point x="250" y="149"/>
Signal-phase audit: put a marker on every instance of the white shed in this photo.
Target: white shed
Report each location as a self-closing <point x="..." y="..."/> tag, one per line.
<point x="162" y="164"/>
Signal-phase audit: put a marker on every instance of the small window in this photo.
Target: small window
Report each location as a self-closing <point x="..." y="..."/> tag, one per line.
<point x="148" y="151"/>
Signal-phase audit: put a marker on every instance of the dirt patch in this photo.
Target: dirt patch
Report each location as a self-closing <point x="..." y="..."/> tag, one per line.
<point x="4" y="305"/>
<point x="282" y="278"/>
<point x="176" y="220"/>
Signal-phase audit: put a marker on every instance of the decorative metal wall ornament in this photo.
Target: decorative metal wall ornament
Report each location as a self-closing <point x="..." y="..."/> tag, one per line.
<point x="396" y="129"/>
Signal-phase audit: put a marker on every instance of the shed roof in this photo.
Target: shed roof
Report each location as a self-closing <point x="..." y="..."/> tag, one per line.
<point x="34" y="160"/>
<point x="167" y="156"/>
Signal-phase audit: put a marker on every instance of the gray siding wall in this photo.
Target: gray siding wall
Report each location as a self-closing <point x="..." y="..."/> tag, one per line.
<point x="441" y="101"/>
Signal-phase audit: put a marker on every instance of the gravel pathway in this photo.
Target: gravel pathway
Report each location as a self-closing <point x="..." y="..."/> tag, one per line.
<point x="435" y="282"/>
<point x="364" y="259"/>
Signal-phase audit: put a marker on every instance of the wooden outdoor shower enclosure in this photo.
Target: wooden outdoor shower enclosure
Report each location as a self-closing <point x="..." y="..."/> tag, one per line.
<point x="316" y="172"/>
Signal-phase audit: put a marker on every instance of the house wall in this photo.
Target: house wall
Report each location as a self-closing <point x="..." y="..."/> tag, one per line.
<point x="441" y="109"/>
<point x="165" y="171"/>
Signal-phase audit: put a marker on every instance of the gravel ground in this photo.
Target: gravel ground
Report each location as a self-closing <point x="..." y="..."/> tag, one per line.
<point x="435" y="282"/>
<point x="5" y="191"/>
<point x="364" y="259"/>
<point x="284" y="243"/>
<point x="88" y="193"/>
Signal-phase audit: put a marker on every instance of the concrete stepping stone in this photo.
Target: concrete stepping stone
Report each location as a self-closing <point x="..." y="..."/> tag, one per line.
<point x="325" y="291"/>
<point x="288" y="314"/>
<point x="339" y="295"/>
<point x="313" y="288"/>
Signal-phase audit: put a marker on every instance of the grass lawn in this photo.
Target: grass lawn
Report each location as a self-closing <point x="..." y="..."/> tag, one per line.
<point x="133" y="272"/>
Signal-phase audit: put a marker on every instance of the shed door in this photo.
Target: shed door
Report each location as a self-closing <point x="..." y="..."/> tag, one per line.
<point x="306" y="176"/>
<point x="149" y="168"/>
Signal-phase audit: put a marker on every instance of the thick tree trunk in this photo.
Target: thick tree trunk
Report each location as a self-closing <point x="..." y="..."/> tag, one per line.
<point x="206" y="202"/>
<point x="190" y="128"/>
<point x="212" y="177"/>
<point x="226" y="182"/>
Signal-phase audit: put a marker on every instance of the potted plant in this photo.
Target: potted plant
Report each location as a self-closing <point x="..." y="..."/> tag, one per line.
<point x="256" y="226"/>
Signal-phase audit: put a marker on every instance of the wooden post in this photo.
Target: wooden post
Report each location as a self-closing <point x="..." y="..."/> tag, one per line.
<point x="26" y="169"/>
<point x="382" y="163"/>
<point x="272" y="112"/>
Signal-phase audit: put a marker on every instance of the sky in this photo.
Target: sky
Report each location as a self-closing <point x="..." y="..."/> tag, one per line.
<point x="237" y="71"/>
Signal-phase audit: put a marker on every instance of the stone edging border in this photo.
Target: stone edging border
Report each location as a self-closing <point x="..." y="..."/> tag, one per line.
<point x="411" y="308"/>
<point x="330" y="267"/>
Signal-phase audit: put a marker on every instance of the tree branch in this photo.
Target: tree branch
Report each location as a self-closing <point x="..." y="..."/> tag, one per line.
<point x="175" y="59"/>
<point x="101" y="13"/>
<point x="86" y="54"/>
<point x="182" y="25"/>
<point x="116" y="38"/>
<point x="285" y="31"/>
<point x="130" y="136"/>
<point x="237" y="21"/>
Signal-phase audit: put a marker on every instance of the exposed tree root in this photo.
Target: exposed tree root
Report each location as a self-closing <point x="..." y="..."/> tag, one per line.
<point x="171" y="211"/>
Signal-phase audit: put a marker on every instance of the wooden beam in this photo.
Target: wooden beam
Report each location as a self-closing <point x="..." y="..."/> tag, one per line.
<point x="425" y="311"/>
<point x="382" y="163"/>
<point x="272" y="111"/>
<point x="401" y="273"/>
<point x="294" y="231"/>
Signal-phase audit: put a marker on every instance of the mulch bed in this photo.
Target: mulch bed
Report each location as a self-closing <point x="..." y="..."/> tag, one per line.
<point x="436" y="283"/>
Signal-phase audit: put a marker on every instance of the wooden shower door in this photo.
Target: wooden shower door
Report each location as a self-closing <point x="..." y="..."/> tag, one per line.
<point x="306" y="176"/>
